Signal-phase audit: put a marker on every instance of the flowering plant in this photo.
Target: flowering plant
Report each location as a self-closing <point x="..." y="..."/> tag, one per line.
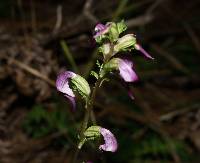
<point x="110" y="42"/>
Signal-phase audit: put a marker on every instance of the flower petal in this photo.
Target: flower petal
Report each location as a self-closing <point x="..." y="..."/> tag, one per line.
<point x="100" y="29"/>
<point x="62" y="83"/>
<point x="144" y="52"/>
<point x="126" y="71"/>
<point x="110" y="141"/>
<point x="72" y="100"/>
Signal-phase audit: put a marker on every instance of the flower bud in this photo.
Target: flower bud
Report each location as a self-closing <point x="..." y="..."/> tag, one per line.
<point x="124" y="43"/>
<point x="105" y="49"/>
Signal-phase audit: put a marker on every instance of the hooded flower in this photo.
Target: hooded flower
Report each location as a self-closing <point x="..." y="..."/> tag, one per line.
<point x="125" y="68"/>
<point x="100" y="29"/>
<point x="79" y="84"/>
<point x="139" y="47"/>
<point x="110" y="141"/>
<point x="62" y="84"/>
<point x="93" y="132"/>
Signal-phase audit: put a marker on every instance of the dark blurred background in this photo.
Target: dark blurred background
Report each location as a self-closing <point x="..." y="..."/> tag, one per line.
<point x="40" y="38"/>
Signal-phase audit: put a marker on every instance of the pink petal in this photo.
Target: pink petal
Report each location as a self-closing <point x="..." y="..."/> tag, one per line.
<point x="100" y="29"/>
<point x="72" y="100"/>
<point x="144" y="52"/>
<point x="62" y="83"/>
<point x="126" y="71"/>
<point x="110" y="141"/>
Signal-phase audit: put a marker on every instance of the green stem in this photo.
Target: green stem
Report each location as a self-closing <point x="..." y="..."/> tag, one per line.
<point x="89" y="112"/>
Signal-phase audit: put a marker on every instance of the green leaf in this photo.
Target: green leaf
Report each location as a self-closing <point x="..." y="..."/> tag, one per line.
<point x="93" y="73"/>
<point x="121" y="27"/>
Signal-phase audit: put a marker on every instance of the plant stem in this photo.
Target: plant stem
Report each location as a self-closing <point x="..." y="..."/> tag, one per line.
<point x="89" y="112"/>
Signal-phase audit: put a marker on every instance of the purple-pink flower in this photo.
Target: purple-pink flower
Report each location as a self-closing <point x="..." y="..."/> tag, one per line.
<point x="144" y="52"/>
<point x="62" y="84"/>
<point x="100" y="29"/>
<point x="126" y="70"/>
<point x="110" y="141"/>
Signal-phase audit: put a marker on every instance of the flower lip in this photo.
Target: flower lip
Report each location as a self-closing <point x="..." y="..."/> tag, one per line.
<point x="62" y="85"/>
<point x="62" y="82"/>
<point x="100" y="29"/>
<point x="110" y="141"/>
<point x="126" y="70"/>
<point x="144" y="52"/>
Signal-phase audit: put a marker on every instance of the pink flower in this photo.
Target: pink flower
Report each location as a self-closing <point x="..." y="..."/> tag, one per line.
<point x="100" y="29"/>
<point x="144" y="52"/>
<point x="126" y="70"/>
<point x="62" y="84"/>
<point x="110" y="141"/>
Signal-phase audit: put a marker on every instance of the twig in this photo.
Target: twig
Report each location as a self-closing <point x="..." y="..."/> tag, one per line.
<point x="87" y="11"/>
<point x="146" y="18"/>
<point x="32" y="71"/>
<point x="58" y="19"/>
<point x="139" y="21"/>
<point x="170" y="58"/>
<point x="119" y="10"/>
<point x="192" y="35"/>
<point x="136" y="5"/>
<point x="171" y="115"/>
<point x="153" y="6"/>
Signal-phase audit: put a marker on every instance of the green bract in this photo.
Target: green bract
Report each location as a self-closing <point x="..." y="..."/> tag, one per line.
<point x="115" y="30"/>
<point x="106" y="50"/>
<point x="125" y="43"/>
<point x="80" y="85"/>
<point x="91" y="133"/>
<point x="121" y="26"/>
<point x="112" y="65"/>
